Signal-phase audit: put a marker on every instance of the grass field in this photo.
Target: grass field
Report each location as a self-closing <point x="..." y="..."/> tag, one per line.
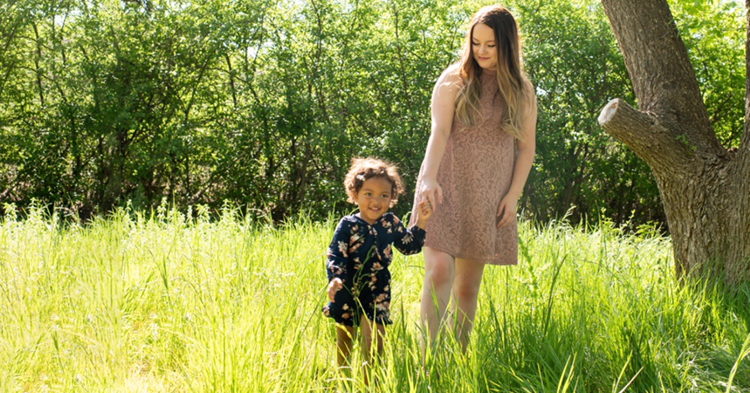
<point x="161" y="303"/>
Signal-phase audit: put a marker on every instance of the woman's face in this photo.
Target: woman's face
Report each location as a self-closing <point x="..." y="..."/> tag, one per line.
<point x="484" y="47"/>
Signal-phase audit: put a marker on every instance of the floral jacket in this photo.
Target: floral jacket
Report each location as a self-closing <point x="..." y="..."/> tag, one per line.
<point x="358" y="246"/>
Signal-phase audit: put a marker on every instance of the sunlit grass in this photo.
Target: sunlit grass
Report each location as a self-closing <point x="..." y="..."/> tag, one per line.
<point x="162" y="302"/>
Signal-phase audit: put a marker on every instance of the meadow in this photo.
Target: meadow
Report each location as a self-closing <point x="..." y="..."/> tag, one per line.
<point x="176" y="301"/>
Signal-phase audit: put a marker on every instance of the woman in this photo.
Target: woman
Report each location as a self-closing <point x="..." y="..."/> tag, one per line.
<point x="478" y="158"/>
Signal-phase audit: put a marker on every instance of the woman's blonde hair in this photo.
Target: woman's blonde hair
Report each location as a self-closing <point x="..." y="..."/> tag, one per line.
<point x="511" y="78"/>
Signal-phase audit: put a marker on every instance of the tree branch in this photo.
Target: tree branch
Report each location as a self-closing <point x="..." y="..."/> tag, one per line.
<point x="646" y="136"/>
<point x="659" y="66"/>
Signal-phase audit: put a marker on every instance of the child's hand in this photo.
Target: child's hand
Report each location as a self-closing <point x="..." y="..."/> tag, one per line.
<point x="334" y="286"/>
<point x="425" y="212"/>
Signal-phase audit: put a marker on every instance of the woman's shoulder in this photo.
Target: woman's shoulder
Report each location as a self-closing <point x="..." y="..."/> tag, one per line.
<point x="449" y="83"/>
<point x="529" y="94"/>
<point x="529" y="87"/>
<point x="451" y="75"/>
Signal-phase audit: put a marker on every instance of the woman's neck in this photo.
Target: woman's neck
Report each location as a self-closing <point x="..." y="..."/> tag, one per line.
<point x="489" y="71"/>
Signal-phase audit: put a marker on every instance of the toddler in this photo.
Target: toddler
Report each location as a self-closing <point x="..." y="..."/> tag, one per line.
<point x="360" y="254"/>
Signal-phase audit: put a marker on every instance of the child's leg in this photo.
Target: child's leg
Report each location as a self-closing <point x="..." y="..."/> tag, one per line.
<point x="367" y="343"/>
<point x="344" y="336"/>
<point x="367" y="337"/>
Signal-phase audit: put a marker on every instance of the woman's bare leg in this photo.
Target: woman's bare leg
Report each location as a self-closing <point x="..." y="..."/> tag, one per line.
<point x="440" y="271"/>
<point x="465" y="293"/>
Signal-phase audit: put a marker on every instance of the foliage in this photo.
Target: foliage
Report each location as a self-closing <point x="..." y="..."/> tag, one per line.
<point x="714" y="33"/>
<point x="175" y="301"/>
<point x="577" y="69"/>
<point x="263" y="103"/>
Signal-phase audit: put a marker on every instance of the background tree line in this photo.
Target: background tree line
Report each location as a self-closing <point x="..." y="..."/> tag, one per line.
<point x="263" y="103"/>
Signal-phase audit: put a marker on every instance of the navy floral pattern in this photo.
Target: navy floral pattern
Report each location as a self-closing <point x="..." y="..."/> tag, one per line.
<point x="360" y="255"/>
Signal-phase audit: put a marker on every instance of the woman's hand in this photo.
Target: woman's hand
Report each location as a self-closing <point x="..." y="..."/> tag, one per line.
<point x="431" y="192"/>
<point x="507" y="210"/>
<point x="334" y="286"/>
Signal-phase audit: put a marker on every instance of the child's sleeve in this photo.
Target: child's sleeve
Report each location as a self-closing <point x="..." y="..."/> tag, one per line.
<point x="408" y="241"/>
<point x="338" y="252"/>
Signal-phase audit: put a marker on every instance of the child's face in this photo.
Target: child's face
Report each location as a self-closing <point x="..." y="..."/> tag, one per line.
<point x="374" y="198"/>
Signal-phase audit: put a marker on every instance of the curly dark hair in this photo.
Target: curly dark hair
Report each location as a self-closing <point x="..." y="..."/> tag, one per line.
<point x="367" y="168"/>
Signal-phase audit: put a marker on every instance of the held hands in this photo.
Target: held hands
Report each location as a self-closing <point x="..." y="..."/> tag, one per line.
<point x="431" y="192"/>
<point x="334" y="286"/>
<point x="425" y="212"/>
<point x="507" y="210"/>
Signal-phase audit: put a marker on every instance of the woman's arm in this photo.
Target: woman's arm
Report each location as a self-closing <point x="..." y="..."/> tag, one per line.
<point x="524" y="160"/>
<point x="443" y="106"/>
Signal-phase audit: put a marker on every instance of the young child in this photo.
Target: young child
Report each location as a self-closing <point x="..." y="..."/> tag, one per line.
<point x="359" y="256"/>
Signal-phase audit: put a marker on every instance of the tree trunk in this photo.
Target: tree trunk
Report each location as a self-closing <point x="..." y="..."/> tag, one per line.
<point x="705" y="189"/>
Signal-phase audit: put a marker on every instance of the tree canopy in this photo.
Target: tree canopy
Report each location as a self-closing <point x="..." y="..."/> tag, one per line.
<point x="263" y="103"/>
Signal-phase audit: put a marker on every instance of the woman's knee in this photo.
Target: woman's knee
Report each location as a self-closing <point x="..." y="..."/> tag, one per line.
<point x="439" y="269"/>
<point x="465" y="290"/>
<point x="468" y="279"/>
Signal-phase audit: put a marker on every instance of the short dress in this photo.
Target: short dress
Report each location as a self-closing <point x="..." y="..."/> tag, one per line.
<point x="360" y="255"/>
<point x="475" y="173"/>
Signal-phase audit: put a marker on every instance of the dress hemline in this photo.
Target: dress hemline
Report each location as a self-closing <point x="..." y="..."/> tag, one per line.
<point x="486" y="261"/>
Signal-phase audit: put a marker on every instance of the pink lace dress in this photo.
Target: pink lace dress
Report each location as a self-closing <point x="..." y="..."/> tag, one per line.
<point x="475" y="173"/>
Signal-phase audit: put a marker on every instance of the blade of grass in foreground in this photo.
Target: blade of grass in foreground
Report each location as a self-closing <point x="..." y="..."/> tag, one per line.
<point x="744" y="352"/>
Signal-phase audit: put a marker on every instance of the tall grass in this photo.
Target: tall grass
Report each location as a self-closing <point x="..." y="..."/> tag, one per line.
<point x="162" y="302"/>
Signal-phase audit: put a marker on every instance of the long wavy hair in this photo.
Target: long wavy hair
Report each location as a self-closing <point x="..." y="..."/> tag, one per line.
<point x="511" y="78"/>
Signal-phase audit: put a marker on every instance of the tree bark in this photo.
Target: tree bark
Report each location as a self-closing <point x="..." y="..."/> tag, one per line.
<point x="704" y="187"/>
